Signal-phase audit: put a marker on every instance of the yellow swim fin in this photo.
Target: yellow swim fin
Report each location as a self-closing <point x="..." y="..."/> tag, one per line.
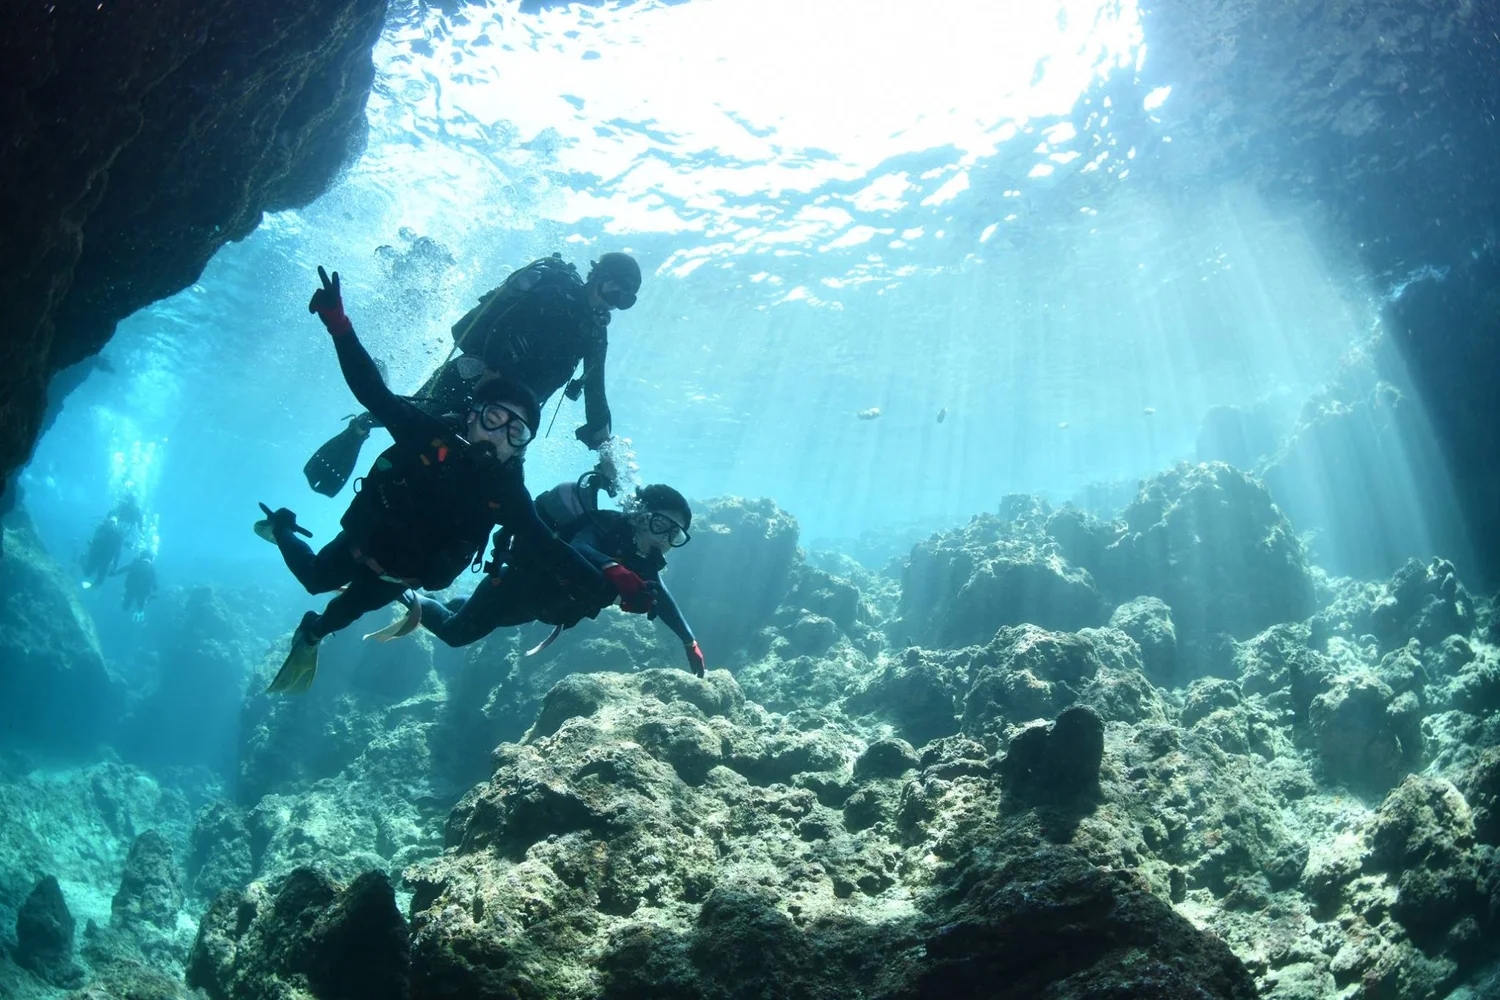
<point x="301" y="664"/>
<point x="403" y="626"/>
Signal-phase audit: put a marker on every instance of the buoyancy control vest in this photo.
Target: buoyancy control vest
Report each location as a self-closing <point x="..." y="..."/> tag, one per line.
<point x="567" y="509"/>
<point x="536" y="326"/>
<point x="425" y="514"/>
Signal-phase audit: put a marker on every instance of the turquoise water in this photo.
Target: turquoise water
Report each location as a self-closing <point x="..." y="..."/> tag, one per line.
<point x="836" y="209"/>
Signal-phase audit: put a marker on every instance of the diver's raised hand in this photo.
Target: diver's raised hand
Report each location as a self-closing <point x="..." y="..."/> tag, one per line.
<point x="328" y="303"/>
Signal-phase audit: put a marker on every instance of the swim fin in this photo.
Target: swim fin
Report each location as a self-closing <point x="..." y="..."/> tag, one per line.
<point x="557" y="630"/>
<point x="403" y="626"/>
<point x="331" y="465"/>
<point x="281" y="517"/>
<point x="301" y="664"/>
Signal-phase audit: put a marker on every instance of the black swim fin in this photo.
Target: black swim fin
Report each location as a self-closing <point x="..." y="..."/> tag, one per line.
<point x="331" y="465"/>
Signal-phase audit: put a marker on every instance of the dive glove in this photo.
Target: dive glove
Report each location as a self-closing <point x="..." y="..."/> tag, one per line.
<point x="636" y="595"/>
<point x="592" y="436"/>
<point x="329" y="304"/>
<point x="695" y="657"/>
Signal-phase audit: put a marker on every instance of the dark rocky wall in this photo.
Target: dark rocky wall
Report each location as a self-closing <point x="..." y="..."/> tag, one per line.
<point x="139" y="140"/>
<point x="1382" y="116"/>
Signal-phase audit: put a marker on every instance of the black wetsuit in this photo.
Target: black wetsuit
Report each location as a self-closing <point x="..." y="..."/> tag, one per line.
<point x="424" y="513"/>
<point x="520" y="591"/>
<point x="140" y="584"/>
<point x="104" y="551"/>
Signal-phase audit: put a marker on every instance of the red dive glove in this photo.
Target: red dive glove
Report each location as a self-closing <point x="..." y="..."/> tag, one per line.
<point x="636" y="595"/>
<point x="329" y="304"/>
<point x="695" y="657"/>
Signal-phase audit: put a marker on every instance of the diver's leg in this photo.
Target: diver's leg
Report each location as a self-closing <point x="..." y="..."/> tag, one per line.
<point x="498" y="601"/>
<point x="366" y="592"/>
<point x="329" y="568"/>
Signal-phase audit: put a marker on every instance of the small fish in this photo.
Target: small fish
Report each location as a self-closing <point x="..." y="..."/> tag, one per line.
<point x="1149" y="411"/>
<point x="873" y="413"/>
<point x="942" y="414"/>
<point x="1062" y="425"/>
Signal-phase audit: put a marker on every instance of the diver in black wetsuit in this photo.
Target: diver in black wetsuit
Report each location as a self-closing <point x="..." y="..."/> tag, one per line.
<point x="103" y="553"/>
<point x="140" y="585"/>
<point x="101" y="560"/>
<point x="536" y="327"/>
<point x="519" y="591"/>
<point x="426" y="507"/>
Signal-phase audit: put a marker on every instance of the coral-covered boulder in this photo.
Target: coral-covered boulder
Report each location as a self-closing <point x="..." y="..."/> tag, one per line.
<point x="151" y="887"/>
<point x="1148" y="621"/>
<point x="1281" y="664"/>
<point x="219" y="852"/>
<point x="961" y="586"/>
<point x="1482" y="790"/>
<point x="921" y="692"/>
<point x="1423" y="602"/>
<point x="308" y="936"/>
<point x="1056" y="763"/>
<point x="1366" y="735"/>
<point x="1049" y="924"/>
<point x="1035" y="675"/>
<point x="1423" y="837"/>
<point x="44" y="936"/>
<point x="1208" y="541"/>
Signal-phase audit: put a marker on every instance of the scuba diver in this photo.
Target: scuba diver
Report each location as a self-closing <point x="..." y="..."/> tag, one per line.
<point x="103" y="553"/>
<point x="535" y="327"/>
<point x="128" y="513"/>
<point x="101" y="560"/>
<point x="632" y="542"/>
<point x="140" y="584"/>
<point x="426" y="508"/>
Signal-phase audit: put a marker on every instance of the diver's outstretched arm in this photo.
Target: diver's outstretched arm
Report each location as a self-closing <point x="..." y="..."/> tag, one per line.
<point x="405" y="421"/>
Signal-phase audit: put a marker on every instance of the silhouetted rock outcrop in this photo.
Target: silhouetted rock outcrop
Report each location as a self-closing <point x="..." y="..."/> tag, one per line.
<point x="139" y="141"/>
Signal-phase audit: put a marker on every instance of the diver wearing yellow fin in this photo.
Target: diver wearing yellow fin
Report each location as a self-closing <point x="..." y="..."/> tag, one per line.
<point x="427" y="506"/>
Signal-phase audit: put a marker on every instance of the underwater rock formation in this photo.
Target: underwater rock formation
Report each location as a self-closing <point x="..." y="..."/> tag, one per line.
<point x="79" y="826"/>
<point x="837" y="817"/>
<point x="759" y="540"/>
<point x="1423" y="837"/>
<point x="141" y="141"/>
<point x="151" y="888"/>
<point x="1056" y="763"/>
<point x="960" y="586"/>
<point x="44" y="936"/>
<point x="657" y="835"/>
<point x="1367" y="736"/>
<point x="56" y="694"/>
<point x="308" y="936"/>
<point x="1335" y="120"/>
<point x="203" y="640"/>
<point x="1208" y="541"/>
<point x="1445" y="329"/>
<point x="1024" y="673"/>
<point x="1334" y="475"/>
<point x="219" y="855"/>
<point x="1148" y="621"/>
